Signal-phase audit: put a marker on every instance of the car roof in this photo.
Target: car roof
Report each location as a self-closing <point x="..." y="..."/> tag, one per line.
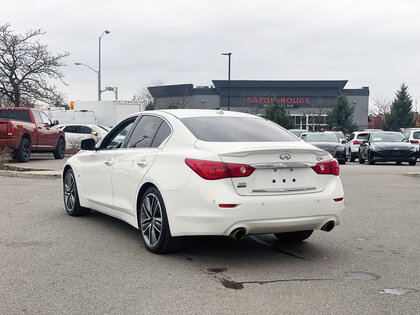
<point x="185" y="113"/>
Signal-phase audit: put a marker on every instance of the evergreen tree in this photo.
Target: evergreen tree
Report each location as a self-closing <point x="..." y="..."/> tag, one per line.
<point x="341" y="116"/>
<point x="401" y="115"/>
<point x="276" y="112"/>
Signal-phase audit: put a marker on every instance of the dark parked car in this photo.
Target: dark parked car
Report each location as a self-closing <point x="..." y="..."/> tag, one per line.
<point x="387" y="146"/>
<point x="327" y="141"/>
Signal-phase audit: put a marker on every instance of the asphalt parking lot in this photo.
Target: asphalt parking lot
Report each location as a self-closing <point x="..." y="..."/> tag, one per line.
<point x="52" y="263"/>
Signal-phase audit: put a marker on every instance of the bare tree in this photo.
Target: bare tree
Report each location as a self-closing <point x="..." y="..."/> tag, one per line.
<point x="26" y="66"/>
<point x="380" y="106"/>
<point x="144" y="97"/>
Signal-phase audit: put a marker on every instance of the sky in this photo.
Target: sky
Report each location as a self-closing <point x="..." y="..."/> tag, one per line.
<point x="370" y="43"/>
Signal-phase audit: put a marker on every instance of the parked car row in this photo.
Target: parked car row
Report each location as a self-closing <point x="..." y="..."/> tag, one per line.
<point x="372" y="145"/>
<point x="27" y="130"/>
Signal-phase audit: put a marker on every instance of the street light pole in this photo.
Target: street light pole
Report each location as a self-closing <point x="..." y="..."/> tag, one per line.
<point x="99" y="67"/>
<point x="228" y="54"/>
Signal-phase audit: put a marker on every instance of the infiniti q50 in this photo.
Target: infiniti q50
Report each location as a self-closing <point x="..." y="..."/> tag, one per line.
<point x="176" y="173"/>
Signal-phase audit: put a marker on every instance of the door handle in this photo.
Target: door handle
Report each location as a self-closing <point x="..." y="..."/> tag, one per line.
<point x="142" y="163"/>
<point x="39" y="127"/>
<point x="108" y="163"/>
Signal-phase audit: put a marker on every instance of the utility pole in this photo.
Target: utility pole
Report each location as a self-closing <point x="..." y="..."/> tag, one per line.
<point x="228" y="54"/>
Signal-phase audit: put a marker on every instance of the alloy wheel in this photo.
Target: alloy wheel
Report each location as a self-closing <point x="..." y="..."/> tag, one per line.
<point x="26" y="150"/>
<point x="61" y="148"/>
<point x="69" y="191"/>
<point x="151" y="219"/>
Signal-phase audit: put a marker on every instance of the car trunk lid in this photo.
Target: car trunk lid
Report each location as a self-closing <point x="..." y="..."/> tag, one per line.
<point x="280" y="168"/>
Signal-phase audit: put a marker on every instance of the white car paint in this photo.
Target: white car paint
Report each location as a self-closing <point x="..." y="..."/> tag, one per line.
<point x="109" y="181"/>
<point x="73" y="139"/>
<point x="353" y="143"/>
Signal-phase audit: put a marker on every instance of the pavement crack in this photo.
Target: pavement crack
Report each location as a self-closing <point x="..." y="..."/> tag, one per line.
<point x="277" y="249"/>
<point x="235" y="285"/>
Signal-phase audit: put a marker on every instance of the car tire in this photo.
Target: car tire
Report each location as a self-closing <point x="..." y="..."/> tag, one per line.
<point x="154" y="226"/>
<point x="342" y="161"/>
<point x="60" y="149"/>
<point x="293" y="237"/>
<point x="412" y="163"/>
<point x="371" y="162"/>
<point x="71" y="196"/>
<point x="399" y="163"/>
<point x="352" y="157"/>
<point x="23" y="152"/>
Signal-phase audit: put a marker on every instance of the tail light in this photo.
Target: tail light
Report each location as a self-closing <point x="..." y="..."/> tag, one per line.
<point x="10" y="130"/>
<point x="356" y="142"/>
<point x="328" y="167"/>
<point x="217" y="170"/>
<point x="414" y="141"/>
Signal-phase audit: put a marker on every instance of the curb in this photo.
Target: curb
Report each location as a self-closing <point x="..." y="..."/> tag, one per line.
<point x="34" y="174"/>
<point x="412" y="174"/>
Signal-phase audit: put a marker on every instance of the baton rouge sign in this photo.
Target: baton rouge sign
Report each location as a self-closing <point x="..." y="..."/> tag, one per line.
<point x="289" y="101"/>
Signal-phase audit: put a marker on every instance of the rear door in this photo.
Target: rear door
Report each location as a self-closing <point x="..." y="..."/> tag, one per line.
<point x="48" y="132"/>
<point x="71" y="137"/>
<point x="134" y="160"/>
<point x="42" y="141"/>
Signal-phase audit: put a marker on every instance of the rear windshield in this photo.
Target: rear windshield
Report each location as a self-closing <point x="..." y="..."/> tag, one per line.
<point x="416" y="135"/>
<point x="236" y="129"/>
<point x="11" y="114"/>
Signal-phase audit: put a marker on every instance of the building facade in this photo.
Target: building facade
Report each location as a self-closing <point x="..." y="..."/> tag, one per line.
<point x="307" y="101"/>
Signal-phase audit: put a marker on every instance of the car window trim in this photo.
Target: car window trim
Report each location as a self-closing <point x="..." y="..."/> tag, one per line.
<point x="127" y="139"/>
<point x="113" y="131"/>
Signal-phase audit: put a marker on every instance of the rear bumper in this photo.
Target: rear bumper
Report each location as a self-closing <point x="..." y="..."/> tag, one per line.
<point x="197" y="212"/>
<point x="11" y="142"/>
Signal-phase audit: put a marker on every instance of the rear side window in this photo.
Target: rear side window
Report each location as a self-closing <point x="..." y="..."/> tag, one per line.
<point x="144" y="132"/>
<point x="163" y="133"/>
<point x="84" y="130"/>
<point x="11" y="114"/>
<point x="236" y="129"/>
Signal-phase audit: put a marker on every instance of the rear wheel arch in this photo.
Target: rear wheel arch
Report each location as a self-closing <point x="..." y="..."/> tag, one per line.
<point x="140" y="195"/>
<point x="66" y="168"/>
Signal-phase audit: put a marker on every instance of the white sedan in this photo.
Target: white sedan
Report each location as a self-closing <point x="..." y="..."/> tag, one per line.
<point x="175" y="173"/>
<point x="75" y="133"/>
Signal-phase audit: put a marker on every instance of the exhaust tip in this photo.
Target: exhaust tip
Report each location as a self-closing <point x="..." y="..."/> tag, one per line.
<point x="327" y="227"/>
<point x="238" y="233"/>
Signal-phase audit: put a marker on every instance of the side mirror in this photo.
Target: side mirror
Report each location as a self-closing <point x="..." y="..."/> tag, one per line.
<point x="55" y="122"/>
<point x="343" y="141"/>
<point x="88" y="144"/>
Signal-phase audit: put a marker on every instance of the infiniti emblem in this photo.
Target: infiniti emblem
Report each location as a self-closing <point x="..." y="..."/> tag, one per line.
<point x="285" y="156"/>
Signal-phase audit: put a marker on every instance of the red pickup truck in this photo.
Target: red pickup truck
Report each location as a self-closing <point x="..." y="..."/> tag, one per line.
<point x="27" y="130"/>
